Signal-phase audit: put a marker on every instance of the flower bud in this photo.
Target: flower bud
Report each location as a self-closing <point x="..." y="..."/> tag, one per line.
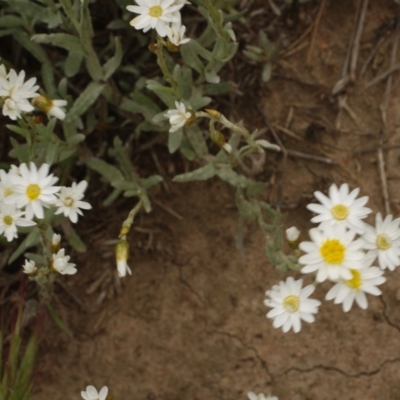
<point x="55" y="243"/>
<point x="30" y="268"/>
<point x="121" y="255"/>
<point x="214" y="113"/>
<point x="293" y="237"/>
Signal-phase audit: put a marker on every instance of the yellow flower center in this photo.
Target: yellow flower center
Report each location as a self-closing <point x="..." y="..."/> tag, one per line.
<point x="33" y="191"/>
<point x="155" y="11"/>
<point x="8" y="220"/>
<point x="68" y="202"/>
<point x="355" y="282"/>
<point x="383" y="242"/>
<point x="7" y="192"/>
<point x="333" y="251"/>
<point x="291" y="303"/>
<point x="340" y="212"/>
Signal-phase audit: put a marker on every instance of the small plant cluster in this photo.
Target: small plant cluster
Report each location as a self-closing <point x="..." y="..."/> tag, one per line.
<point x="343" y="249"/>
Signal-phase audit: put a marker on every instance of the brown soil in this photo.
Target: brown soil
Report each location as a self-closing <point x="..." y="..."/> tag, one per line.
<point x="190" y="321"/>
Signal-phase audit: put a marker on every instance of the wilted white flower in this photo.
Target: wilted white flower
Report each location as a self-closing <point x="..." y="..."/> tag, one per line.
<point x="363" y="281"/>
<point x="178" y="117"/>
<point x="383" y="241"/>
<point x="227" y="147"/>
<point x="29" y="267"/>
<point x="332" y="253"/>
<point x="290" y="304"/>
<point x="34" y="189"/>
<point x="341" y="208"/>
<point x="92" y="394"/>
<point x="10" y="218"/>
<point x="292" y="234"/>
<point x="155" y="14"/>
<point x="53" y="108"/>
<point x="60" y="263"/>
<point x="176" y="34"/>
<point x="121" y="255"/>
<point x="16" y="93"/>
<point x="69" y="201"/>
<point x="260" y="396"/>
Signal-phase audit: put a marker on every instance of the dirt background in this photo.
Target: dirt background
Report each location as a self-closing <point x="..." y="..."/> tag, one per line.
<point x="190" y="321"/>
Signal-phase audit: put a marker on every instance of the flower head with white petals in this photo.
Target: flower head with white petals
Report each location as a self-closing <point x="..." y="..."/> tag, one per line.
<point x="176" y="34"/>
<point x="61" y="265"/>
<point x="383" y="241"/>
<point x="341" y="208"/>
<point x="155" y="14"/>
<point x="34" y="189"/>
<point x="16" y="93"/>
<point x="260" y="396"/>
<point x="363" y="281"/>
<point x="290" y="304"/>
<point x="10" y="218"/>
<point x="6" y="185"/>
<point x="53" y="108"/>
<point x="121" y="255"/>
<point x="179" y="117"/>
<point x="91" y="393"/>
<point x="29" y="267"/>
<point x="331" y="253"/>
<point x="70" y="202"/>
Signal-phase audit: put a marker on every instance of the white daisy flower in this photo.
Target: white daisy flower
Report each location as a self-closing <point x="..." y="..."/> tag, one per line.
<point x="178" y="117"/>
<point x="290" y="304"/>
<point x="155" y="14"/>
<point x="176" y="34"/>
<point x="10" y="218"/>
<point x="341" y="208"/>
<point x="260" y="396"/>
<point x="70" y="201"/>
<point x="53" y="108"/>
<point x="60" y="263"/>
<point x="92" y="394"/>
<point x="16" y="92"/>
<point x="363" y="281"/>
<point x="6" y="185"/>
<point x="332" y="253"/>
<point x="383" y="241"/>
<point x="34" y="189"/>
<point x="29" y="267"/>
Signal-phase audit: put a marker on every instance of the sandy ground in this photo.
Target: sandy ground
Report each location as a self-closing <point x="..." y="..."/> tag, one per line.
<point x="190" y="321"/>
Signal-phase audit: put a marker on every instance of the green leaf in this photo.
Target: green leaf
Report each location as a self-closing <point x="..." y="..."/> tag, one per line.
<point x="85" y="100"/>
<point x="21" y="131"/>
<point x="32" y="47"/>
<point x="108" y="171"/>
<point x="175" y="140"/>
<point x="196" y="139"/>
<point x="227" y="174"/>
<point x="153" y="180"/>
<point x="31" y="240"/>
<point x="200" y="174"/>
<point x="114" y="62"/>
<point x="63" y="40"/>
<point x="72" y="237"/>
<point x="246" y="209"/>
<point x="57" y="320"/>
<point x="164" y="93"/>
<point x="191" y="58"/>
<point x="10" y="21"/>
<point x="72" y="64"/>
